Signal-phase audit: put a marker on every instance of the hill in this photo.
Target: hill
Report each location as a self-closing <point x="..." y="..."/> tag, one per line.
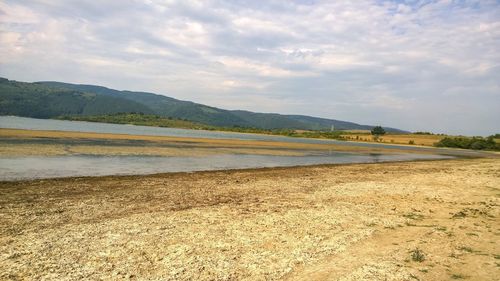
<point x="163" y="106"/>
<point x="40" y="101"/>
<point x="51" y="99"/>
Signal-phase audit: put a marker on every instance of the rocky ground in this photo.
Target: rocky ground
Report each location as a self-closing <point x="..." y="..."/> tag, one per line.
<point x="433" y="220"/>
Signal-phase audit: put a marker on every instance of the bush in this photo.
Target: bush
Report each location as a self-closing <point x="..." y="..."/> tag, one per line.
<point x="423" y="133"/>
<point x="477" y="143"/>
<point x="417" y="255"/>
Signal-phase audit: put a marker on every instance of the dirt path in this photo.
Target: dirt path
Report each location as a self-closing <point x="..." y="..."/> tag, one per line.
<point x="347" y="222"/>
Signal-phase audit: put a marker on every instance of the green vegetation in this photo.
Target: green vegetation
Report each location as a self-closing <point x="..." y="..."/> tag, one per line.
<point x="428" y="133"/>
<point x="39" y="101"/>
<point x="378" y="131"/>
<point x="417" y="255"/>
<point x="135" y="119"/>
<point x="423" y="133"/>
<point x="283" y="132"/>
<point x="476" y="143"/>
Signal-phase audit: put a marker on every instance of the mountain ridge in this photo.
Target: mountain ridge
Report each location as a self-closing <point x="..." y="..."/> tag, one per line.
<point x="94" y="99"/>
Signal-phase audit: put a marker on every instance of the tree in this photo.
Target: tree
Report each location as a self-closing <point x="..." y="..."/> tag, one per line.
<point x="377" y="131"/>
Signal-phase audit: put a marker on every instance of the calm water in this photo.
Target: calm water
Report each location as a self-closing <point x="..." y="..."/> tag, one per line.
<point x="17" y="168"/>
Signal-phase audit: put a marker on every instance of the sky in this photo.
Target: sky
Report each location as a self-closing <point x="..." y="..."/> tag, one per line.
<point x="415" y="65"/>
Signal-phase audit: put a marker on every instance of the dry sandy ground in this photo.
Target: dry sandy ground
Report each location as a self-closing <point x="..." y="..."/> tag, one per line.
<point x="433" y="220"/>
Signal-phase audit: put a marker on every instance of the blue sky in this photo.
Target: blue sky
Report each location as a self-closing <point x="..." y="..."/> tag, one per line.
<point x="415" y="65"/>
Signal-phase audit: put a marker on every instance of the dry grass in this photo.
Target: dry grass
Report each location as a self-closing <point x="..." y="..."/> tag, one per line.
<point x="426" y="140"/>
<point x="311" y="223"/>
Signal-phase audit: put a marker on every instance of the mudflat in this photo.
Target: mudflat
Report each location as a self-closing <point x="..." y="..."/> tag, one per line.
<point x="429" y="220"/>
<point x="19" y="143"/>
<point x="15" y="142"/>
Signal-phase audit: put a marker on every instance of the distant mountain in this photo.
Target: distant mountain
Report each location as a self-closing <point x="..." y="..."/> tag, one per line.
<point x="51" y="99"/>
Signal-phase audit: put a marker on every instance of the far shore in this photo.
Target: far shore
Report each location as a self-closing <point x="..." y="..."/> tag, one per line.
<point x="15" y="144"/>
<point x="355" y="136"/>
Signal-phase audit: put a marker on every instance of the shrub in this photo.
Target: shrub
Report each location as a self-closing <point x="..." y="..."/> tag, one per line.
<point x="477" y="143"/>
<point x="417" y="255"/>
<point x="423" y="133"/>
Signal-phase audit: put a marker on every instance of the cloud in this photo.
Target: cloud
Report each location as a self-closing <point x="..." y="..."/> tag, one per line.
<point x="418" y="65"/>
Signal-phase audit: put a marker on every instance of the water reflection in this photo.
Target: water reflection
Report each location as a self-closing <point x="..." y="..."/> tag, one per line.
<point x="376" y="157"/>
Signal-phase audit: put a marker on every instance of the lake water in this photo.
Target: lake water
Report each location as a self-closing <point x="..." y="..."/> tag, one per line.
<point x="18" y="168"/>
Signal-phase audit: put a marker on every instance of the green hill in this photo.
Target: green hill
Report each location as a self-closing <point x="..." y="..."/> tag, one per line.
<point x="164" y="106"/>
<point x="40" y="101"/>
<point x="54" y="99"/>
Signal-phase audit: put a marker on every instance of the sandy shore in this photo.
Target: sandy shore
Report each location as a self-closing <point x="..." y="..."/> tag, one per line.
<point x="433" y="220"/>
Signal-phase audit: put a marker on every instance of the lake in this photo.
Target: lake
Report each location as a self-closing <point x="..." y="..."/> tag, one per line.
<point x="35" y="167"/>
<point x="22" y="168"/>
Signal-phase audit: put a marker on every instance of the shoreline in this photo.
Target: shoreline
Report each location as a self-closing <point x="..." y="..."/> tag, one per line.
<point x="90" y="150"/>
<point x="397" y="139"/>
